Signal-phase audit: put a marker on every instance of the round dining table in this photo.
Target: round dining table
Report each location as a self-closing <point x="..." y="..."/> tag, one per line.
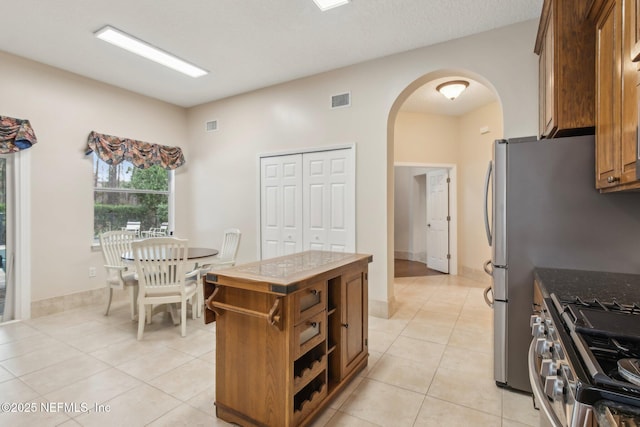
<point x="199" y="255"/>
<point x="192" y="254"/>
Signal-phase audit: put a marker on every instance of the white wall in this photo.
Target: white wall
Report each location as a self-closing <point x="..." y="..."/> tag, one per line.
<point x="410" y="207"/>
<point x="218" y="186"/>
<point x="63" y="108"/>
<point x="474" y="156"/>
<point x="432" y="139"/>
<point x="296" y="114"/>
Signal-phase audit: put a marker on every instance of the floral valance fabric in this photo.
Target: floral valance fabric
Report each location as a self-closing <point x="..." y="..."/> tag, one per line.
<point x="15" y="135"/>
<point x="114" y="150"/>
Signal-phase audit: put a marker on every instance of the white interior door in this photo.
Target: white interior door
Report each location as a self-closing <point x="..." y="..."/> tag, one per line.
<point x="438" y="220"/>
<point x="280" y="205"/>
<point x="329" y="201"/>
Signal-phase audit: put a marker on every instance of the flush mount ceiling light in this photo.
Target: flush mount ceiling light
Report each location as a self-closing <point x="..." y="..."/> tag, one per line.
<point x="329" y="4"/>
<point x="144" y="49"/>
<point x="453" y="88"/>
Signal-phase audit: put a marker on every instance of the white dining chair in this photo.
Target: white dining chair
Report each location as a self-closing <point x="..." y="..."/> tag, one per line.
<point x="228" y="251"/>
<point x="114" y="244"/>
<point x="161" y="231"/>
<point x="161" y="266"/>
<point x="133" y="226"/>
<point x="226" y="257"/>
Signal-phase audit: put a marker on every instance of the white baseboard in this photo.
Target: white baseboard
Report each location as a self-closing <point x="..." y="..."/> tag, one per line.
<point x="411" y="256"/>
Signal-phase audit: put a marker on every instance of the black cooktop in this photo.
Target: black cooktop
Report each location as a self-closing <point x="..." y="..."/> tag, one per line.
<point x="589" y="285"/>
<point x="601" y="317"/>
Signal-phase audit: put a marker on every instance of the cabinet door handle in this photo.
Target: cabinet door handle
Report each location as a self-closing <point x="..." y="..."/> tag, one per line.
<point x="345" y="325"/>
<point x="613" y="179"/>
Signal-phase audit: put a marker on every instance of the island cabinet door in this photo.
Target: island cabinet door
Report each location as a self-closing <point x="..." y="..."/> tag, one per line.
<point x="354" y="337"/>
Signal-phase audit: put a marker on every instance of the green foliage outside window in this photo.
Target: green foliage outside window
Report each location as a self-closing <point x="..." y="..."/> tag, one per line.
<point x="117" y="201"/>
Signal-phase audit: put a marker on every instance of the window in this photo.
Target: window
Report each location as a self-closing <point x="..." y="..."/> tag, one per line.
<point x="124" y="193"/>
<point x="6" y="306"/>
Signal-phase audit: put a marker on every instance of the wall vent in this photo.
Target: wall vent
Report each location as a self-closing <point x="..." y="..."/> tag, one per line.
<point x="341" y="100"/>
<point x="212" y="125"/>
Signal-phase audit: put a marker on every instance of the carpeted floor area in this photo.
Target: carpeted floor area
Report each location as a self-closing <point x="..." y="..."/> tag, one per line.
<point x="406" y="268"/>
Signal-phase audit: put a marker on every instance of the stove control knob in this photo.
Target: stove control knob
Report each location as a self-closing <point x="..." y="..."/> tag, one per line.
<point x="557" y="348"/>
<point x="537" y="330"/>
<point x="553" y="387"/>
<point x="535" y="319"/>
<point x="548" y="368"/>
<point x="543" y="346"/>
<point x="565" y="369"/>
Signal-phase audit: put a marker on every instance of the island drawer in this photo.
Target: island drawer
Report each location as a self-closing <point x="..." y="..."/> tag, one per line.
<point x="310" y="301"/>
<point x="309" y="333"/>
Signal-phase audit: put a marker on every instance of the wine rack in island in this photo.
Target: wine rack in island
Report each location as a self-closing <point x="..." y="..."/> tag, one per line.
<point x="291" y="333"/>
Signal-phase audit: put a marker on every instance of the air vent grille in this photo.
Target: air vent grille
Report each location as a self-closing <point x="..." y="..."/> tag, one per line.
<point x="341" y="100"/>
<point x="212" y="125"/>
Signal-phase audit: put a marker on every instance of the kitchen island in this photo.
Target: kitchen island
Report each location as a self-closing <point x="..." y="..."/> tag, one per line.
<point x="291" y="333"/>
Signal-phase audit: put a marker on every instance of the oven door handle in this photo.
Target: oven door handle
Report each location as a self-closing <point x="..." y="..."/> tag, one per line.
<point x="538" y="388"/>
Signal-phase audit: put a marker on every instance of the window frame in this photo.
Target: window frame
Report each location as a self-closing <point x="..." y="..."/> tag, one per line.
<point x="170" y="193"/>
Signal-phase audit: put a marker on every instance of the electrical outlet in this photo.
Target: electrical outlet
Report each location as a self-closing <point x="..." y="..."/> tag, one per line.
<point x="92" y="272"/>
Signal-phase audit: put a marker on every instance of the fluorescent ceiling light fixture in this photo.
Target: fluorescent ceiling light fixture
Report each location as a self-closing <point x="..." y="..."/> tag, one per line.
<point x="453" y="88"/>
<point x="329" y="4"/>
<point x="144" y="49"/>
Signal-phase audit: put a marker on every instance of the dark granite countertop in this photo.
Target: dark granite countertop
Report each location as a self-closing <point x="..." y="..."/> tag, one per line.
<point x="589" y="285"/>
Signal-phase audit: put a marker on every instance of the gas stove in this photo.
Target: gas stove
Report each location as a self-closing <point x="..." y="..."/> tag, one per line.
<point x="607" y="336"/>
<point x="585" y="356"/>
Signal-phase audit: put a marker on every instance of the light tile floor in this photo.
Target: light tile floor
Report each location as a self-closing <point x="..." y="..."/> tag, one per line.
<point x="430" y="365"/>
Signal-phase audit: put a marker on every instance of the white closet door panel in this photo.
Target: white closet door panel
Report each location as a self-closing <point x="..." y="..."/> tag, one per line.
<point x="337" y="210"/>
<point x="280" y="198"/>
<point x="270" y="248"/>
<point x="270" y="204"/>
<point x="329" y="200"/>
<point x="315" y="203"/>
<point x="290" y="214"/>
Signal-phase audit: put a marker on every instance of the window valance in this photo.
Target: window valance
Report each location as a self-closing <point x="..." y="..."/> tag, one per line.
<point x="114" y="150"/>
<point x="15" y="135"/>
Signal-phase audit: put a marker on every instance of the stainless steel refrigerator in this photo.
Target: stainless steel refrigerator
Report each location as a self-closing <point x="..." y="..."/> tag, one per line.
<point x="542" y="209"/>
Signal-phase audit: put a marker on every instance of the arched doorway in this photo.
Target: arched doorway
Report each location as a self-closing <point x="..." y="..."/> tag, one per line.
<point x="428" y="134"/>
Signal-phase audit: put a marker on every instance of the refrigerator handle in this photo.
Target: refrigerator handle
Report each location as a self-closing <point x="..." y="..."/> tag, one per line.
<point x="486" y="268"/>
<point x="489" y="289"/>
<point x="487" y="181"/>
<point x="489" y="302"/>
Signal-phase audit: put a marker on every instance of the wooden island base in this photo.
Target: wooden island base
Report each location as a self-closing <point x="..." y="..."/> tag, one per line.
<point x="291" y="333"/>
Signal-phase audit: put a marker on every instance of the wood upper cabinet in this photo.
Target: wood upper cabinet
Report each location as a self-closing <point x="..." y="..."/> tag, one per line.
<point x="616" y="33"/>
<point x="565" y="44"/>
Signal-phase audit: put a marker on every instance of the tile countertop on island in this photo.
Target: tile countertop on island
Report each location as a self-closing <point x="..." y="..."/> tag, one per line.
<point x="567" y="284"/>
<point x="284" y="274"/>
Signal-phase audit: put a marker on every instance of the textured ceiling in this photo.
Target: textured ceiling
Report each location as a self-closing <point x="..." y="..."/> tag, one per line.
<point x="426" y="99"/>
<point x="245" y="44"/>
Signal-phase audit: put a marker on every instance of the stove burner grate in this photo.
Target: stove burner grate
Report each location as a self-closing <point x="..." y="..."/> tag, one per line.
<point x="614" y="305"/>
<point x="629" y="369"/>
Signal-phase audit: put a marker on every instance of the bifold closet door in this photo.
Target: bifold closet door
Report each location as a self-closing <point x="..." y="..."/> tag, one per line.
<point x="281" y="205"/>
<point x="329" y="201"/>
<point x="307" y="201"/>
